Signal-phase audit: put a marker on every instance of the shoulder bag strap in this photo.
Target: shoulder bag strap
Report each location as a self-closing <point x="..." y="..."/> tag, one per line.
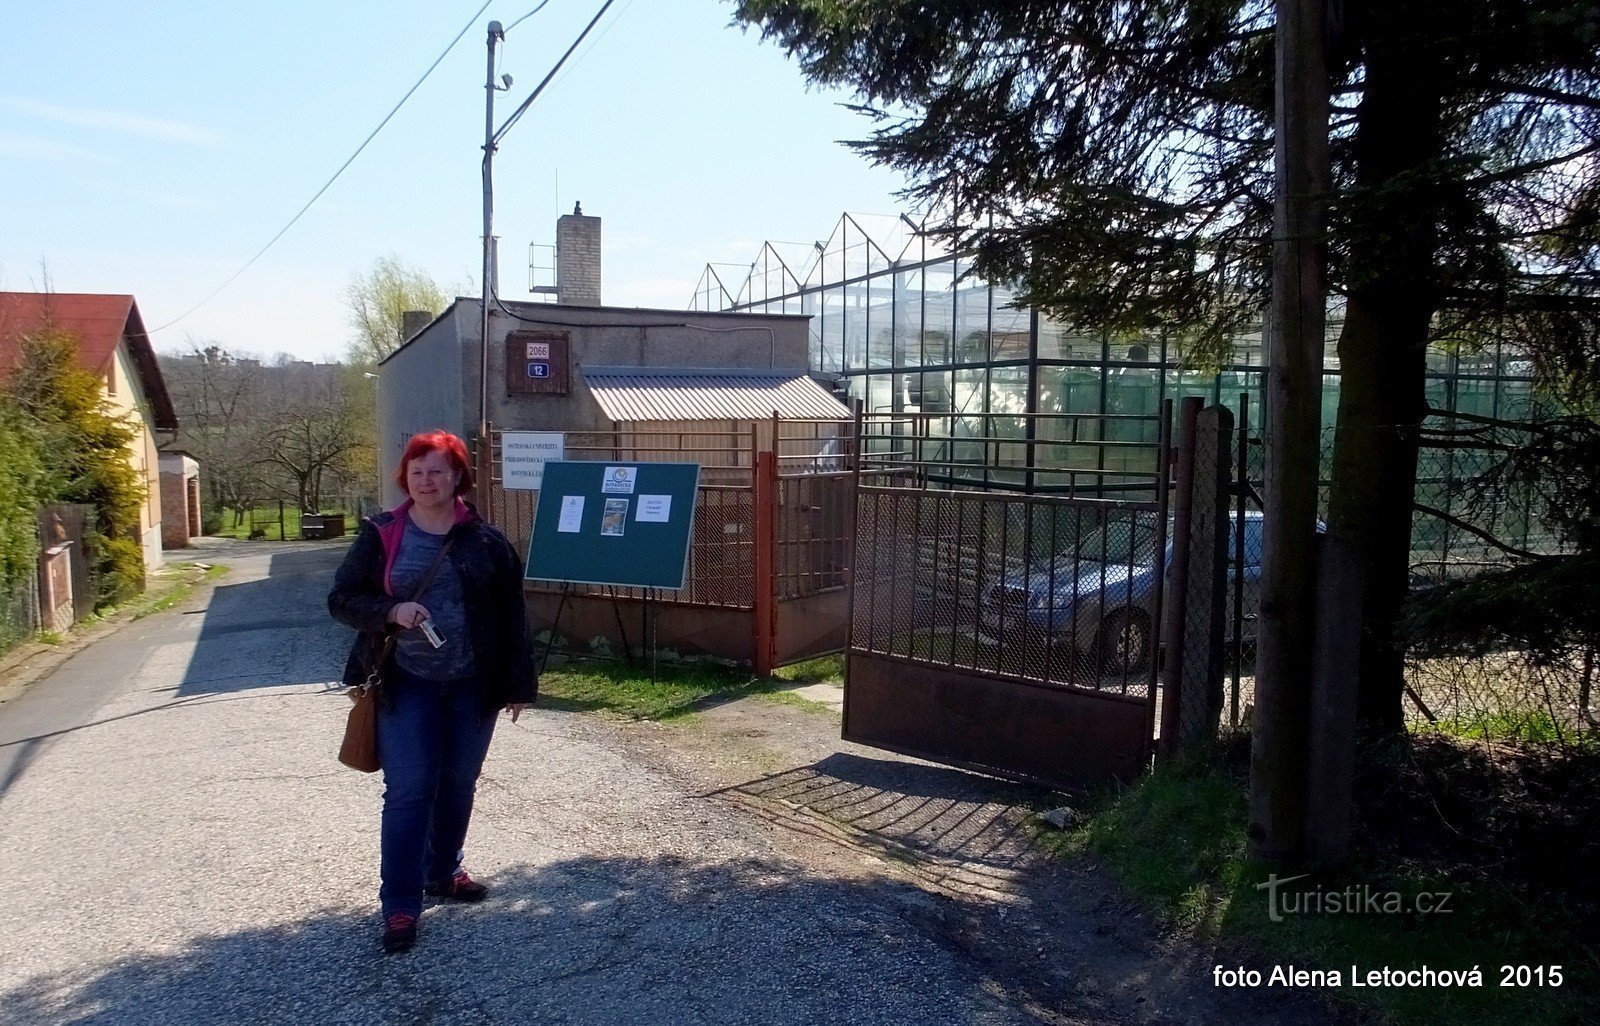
<point x="375" y="677"/>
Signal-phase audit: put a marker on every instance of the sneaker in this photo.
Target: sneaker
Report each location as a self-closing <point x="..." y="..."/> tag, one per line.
<point x="399" y="931"/>
<point x="460" y="887"/>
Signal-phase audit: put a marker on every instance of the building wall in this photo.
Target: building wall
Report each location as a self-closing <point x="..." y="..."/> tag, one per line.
<point x="433" y="382"/>
<point x="174" y="512"/>
<point x="617" y="337"/>
<point x="126" y="395"/>
<point x="179" y="500"/>
<point x="420" y="388"/>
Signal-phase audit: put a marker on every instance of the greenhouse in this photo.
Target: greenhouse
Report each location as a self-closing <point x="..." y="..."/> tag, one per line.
<point x="907" y="329"/>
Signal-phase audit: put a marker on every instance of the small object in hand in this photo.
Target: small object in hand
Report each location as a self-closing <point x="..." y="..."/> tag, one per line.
<point x="431" y="632"/>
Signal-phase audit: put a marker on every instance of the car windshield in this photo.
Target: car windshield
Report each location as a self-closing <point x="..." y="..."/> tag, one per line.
<point x="1120" y="544"/>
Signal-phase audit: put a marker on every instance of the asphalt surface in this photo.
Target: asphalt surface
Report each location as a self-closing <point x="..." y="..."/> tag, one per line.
<point x="178" y="845"/>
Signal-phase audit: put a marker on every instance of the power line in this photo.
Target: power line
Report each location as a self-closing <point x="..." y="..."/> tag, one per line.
<point x="597" y="41"/>
<point x="329" y="183"/>
<point x="516" y="114"/>
<point x="525" y="17"/>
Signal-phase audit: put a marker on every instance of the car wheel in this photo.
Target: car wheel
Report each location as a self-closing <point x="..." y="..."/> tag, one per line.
<point x="1125" y="642"/>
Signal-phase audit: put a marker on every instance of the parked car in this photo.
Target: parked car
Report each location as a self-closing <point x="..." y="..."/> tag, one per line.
<point x="1100" y="598"/>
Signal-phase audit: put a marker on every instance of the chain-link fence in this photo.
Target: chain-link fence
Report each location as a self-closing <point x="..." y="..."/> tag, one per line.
<point x="19" y="611"/>
<point x="1472" y="521"/>
<point x="1458" y="534"/>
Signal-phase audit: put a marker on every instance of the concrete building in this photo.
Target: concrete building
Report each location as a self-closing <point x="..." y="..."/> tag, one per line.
<point x="113" y="346"/>
<point x="546" y="362"/>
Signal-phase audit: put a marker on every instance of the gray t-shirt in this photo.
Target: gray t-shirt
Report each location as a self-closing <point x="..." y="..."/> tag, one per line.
<point x="443" y="599"/>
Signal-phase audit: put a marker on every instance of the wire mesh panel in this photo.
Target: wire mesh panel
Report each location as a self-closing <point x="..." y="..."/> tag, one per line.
<point x="813" y="534"/>
<point x="991" y="625"/>
<point x="1056" y="592"/>
<point x="19" y="611"/>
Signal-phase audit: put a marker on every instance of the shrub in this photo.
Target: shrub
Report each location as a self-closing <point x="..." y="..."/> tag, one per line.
<point x="121" y="566"/>
<point x="21" y="494"/>
<point x="85" y="455"/>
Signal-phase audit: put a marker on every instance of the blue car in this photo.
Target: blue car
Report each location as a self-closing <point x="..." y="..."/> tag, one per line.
<point x="1100" y="598"/>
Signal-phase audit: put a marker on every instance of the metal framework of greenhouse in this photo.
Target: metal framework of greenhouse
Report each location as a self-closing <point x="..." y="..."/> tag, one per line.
<point x="908" y="329"/>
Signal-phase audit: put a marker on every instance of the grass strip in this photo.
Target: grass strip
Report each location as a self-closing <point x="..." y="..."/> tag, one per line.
<point x="1177" y="838"/>
<point x="266" y="520"/>
<point x="679" y="690"/>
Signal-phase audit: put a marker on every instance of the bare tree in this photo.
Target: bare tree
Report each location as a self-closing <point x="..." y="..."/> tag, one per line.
<point x="312" y="432"/>
<point x="217" y="393"/>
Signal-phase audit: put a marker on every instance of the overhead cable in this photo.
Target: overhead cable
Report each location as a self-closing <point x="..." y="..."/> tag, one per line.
<point x="329" y="183"/>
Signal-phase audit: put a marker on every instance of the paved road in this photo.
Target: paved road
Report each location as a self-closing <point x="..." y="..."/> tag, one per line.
<point x="177" y="846"/>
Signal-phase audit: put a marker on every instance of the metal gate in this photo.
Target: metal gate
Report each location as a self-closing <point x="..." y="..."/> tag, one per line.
<point x="1006" y="601"/>
<point x="74" y="523"/>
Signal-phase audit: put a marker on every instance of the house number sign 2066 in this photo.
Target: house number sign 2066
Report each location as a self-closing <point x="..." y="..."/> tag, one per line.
<point x="538" y="351"/>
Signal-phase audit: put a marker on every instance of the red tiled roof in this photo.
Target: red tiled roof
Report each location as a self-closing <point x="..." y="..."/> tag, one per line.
<point x="99" y="323"/>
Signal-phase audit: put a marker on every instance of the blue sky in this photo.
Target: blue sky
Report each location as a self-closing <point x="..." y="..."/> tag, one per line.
<point x="154" y="148"/>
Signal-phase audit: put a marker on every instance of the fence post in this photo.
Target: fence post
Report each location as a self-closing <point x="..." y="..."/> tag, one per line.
<point x="1206" y="580"/>
<point x="1177" y="587"/>
<point x="763" y="606"/>
<point x="1241" y="558"/>
<point x="1330" y="762"/>
<point x="483" y="474"/>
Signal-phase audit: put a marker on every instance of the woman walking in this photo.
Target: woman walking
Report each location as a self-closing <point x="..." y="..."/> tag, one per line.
<point x="449" y="586"/>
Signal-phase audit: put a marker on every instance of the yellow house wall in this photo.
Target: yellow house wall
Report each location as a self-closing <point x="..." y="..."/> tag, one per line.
<point x="126" y="395"/>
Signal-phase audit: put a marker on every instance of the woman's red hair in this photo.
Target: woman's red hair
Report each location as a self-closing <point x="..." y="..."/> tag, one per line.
<point x="454" y="449"/>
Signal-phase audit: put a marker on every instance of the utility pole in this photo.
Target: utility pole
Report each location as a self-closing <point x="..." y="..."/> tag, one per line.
<point x="491" y="140"/>
<point x="1280" y="740"/>
<point x="496" y="35"/>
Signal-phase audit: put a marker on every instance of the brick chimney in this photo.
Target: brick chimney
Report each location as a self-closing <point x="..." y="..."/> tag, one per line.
<point x="411" y="322"/>
<point x="578" y="259"/>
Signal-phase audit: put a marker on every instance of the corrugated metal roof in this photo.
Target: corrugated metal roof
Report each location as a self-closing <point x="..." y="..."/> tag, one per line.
<point x="659" y="393"/>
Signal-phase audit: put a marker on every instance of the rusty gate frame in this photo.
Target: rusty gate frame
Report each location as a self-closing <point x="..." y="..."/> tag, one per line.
<point x="1061" y="733"/>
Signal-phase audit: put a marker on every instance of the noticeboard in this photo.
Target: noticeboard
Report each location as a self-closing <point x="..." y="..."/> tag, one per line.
<point x="614" y="523"/>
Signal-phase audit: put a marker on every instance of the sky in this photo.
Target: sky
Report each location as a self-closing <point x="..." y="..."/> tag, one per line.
<point x="153" y="148"/>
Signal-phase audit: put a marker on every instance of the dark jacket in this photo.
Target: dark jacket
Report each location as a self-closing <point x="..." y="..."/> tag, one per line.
<point x="491" y="581"/>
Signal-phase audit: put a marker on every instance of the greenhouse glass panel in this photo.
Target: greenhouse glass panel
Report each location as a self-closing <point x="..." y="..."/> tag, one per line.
<point x="908" y="317"/>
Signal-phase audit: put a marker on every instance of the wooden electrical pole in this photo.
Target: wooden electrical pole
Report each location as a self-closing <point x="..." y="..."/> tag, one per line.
<point x="1278" y="757"/>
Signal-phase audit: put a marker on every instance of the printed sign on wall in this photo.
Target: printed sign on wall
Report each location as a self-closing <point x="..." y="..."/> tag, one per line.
<point x="536" y="363"/>
<point x="523" y="455"/>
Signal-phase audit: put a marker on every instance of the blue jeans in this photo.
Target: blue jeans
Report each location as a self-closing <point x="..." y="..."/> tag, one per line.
<point x="432" y="739"/>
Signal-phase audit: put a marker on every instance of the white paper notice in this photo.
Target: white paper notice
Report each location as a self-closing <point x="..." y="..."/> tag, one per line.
<point x="571" y="514"/>
<point x="619" y="480"/>
<point x="655" y="509"/>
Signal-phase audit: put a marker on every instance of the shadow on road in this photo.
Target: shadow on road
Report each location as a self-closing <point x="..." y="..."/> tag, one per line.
<point x="974" y="829"/>
<point x="668" y="940"/>
<point x="594" y="940"/>
<point x="271" y="632"/>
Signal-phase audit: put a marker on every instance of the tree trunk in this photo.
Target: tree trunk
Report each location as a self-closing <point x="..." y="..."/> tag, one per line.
<point x="1382" y="355"/>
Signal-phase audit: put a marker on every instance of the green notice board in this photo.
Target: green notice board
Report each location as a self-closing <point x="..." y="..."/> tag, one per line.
<point x="614" y="523"/>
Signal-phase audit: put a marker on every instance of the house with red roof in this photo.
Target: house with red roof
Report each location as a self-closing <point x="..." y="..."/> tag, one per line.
<point x="112" y="345"/>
